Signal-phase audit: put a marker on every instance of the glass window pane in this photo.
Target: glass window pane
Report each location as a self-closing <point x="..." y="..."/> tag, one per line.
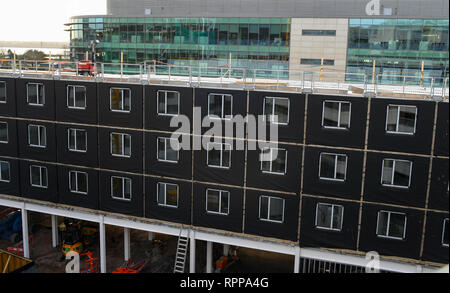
<point x="276" y="209"/>
<point x="279" y="162"/>
<point x="126" y="100"/>
<point x="43" y="136"/>
<point x="268" y="108"/>
<point x="397" y="225"/>
<point x="81" y="140"/>
<point x="116" y="144"/>
<point x="32" y="94"/>
<point x="127" y="151"/>
<point x="215" y="105"/>
<point x="337" y="217"/>
<point x="282" y="110"/>
<point x="226" y="156"/>
<point x="73" y="181"/>
<point x="327" y="164"/>
<point x="224" y="208"/>
<point x="3" y="92"/>
<point x="382" y="223"/>
<point x="33" y="134"/>
<point x="264" y="208"/>
<point x="172" y="155"/>
<point x="162" y="102"/>
<point x="172" y="195"/>
<point x="402" y="172"/>
<point x="117" y="187"/>
<point x="388" y="166"/>
<point x="72" y="139"/>
<point x="80" y="97"/>
<point x="127" y="188"/>
<point x="407" y="119"/>
<point x="35" y="176"/>
<point x="161" y="193"/>
<point x="445" y="233"/>
<point x="3" y="132"/>
<point x="4" y="171"/>
<point x="228" y="106"/>
<point x="331" y="114"/>
<point x="116" y="99"/>
<point x="82" y="182"/>
<point x="341" y="167"/>
<point x="213" y="201"/>
<point x="214" y="158"/>
<point x="345" y="115"/>
<point x="161" y="149"/>
<point x="172" y="103"/>
<point x="392" y="118"/>
<point x="324" y="212"/>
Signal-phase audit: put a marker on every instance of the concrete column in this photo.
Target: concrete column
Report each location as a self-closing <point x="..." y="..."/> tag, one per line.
<point x="126" y="243"/>
<point x="26" y="241"/>
<point x="54" y="231"/>
<point x="297" y="260"/>
<point x="226" y="249"/>
<point x="192" y="254"/>
<point x="209" y="246"/>
<point x="151" y="236"/>
<point x="102" y="246"/>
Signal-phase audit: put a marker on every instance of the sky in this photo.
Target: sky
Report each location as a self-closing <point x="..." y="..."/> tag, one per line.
<point x="43" y="20"/>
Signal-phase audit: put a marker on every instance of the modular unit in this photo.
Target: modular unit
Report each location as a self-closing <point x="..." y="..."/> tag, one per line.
<point x="441" y="143"/>
<point x="8" y="98"/>
<point x="39" y="181"/>
<point x="8" y="137"/>
<point x="35" y="98"/>
<point x="435" y="247"/>
<point x="439" y="188"/>
<point x="9" y="176"/>
<point x="37" y="140"/>
<point x="78" y="187"/>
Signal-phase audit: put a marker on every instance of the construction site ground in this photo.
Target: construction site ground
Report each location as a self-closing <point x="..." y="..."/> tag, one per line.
<point x="160" y="253"/>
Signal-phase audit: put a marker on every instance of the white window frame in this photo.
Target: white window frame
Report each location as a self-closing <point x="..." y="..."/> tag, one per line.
<point x="166" y="144"/>
<point x="7" y="133"/>
<point x="332" y="217"/>
<point x="388" y="224"/>
<point x="222" y="148"/>
<point x="220" y="201"/>
<point x="165" y="103"/>
<point x="339" y="115"/>
<point x="393" y="173"/>
<point x="268" y="209"/>
<point x="73" y="88"/>
<point x="6" y="95"/>
<point x="40" y="128"/>
<point x="123" y="188"/>
<point x="443" y="232"/>
<point x="123" y="145"/>
<point x="9" y="172"/>
<point x="272" y="115"/>
<point x="165" y="195"/>
<point x="40" y="176"/>
<point x="398" y="118"/>
<point x="335" y="167"/>
<point x="223" y="106"/>
<point x="271" y="161"/>
<point x="121" y="99"/>
<point x="43" y="94"/>
<point x="75" y="139"/>
<point x="77" y="173"/>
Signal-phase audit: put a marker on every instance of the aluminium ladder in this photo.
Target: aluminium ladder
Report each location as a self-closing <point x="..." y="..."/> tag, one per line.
<point x="182" y="247"/>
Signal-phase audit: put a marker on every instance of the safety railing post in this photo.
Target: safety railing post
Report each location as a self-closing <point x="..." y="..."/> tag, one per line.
<point x="170" y="72"/>
<point x="278" y="79"/>
<point x="140" y="72"/>
<point x="404" y="86"/>
<point x="20" y="68"/>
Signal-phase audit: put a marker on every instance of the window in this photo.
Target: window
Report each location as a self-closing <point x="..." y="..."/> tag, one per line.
<point x="76" y="97"/>
<point x="168" y="103"/>
<point x="35" y="94"/>
<point x="121" y="188"/>
<point x="5" y="175"/>
<point x="274" y="161"/>
<point x="219" y="155"/>
<point x="77" y="140"/>
<point x="217" y="201"/>
<point x="3" y="132"/>
<point x="328" y="62"/>
<point x="120" y="100"/>
<point x="332" y="167"/>
<point x="271" y="209"/>
<point x="167" y="195"/>
<point x="329" y="216"/>
<point x="38" y="176"/>
<point x="37" y="136"/>
<point x="391" y="225"/>
<point x="276" y="107"/>
<point x="120" y="145"/>
<point x="165" y="151"/>
<point x="326" y="33"/>
<point x="445" y="233"/>
<point x="401" y="119"/>
<point x="396" y="173"/>
<point x="220" y="106"/>
<point x="78" y="182"/>
<point x="336" y="114"/>
<point x="2" y="92"/>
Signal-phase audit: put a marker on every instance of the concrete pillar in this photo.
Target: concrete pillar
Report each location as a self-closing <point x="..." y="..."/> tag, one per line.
<point x="26" y="241"/>
<point x="151" y="236"/>
<point x="226" y="249"/>
<point x="102" y="246"/>
<point x="297" y="260"/>
<point x="54" y="231"/>
<point x="126" y="243"/>
<point x="192" y="254"/>
<point x="209" y="249"/>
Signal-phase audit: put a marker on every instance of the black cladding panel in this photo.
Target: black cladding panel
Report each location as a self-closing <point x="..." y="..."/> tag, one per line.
<point x="9" y="148"/>
<point x="293" y="131"/>
<point x="409" y="247"/>
<point x="9" y="108"/>
<point x="314" y="185"/>
<point x="12" y="187"/>
<point x="133" y="119"/>
<point x="88" y="158"/>
<point x="181" y="169"/>
<point x="24" y="110"/>
<point x="287" y="230"/>
<point x="419" y="143"/>
<point x="179" y="214"/>
<point x="434" y="249"/>
<point x="441" y="143"/>
<point x="155" y="121"/>
<point x="229" y="222"/>
<point x="47" y="153"/>
<point x="50" y="193"/>
<point x="133" y="207"/>
<point x="66" y="196"/>
<point x="353" y="137"/>
<point x="312" y="236"/>
<point x="414" y="196"/>
<point x="66" y="114"/>
<point x="439" y="192"/>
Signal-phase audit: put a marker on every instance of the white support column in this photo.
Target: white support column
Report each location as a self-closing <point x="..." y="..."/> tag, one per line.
<point x="151" y="236"/>
<point x="102" y="246"/>
<point x="226" y="249"/>
<point x="192" y="254"/>
<point x="26" y="241"/>
<point x="126" y="243"/>
<point x="54" y="231"/>
<point x="209" y="246"/>
<point x="297" y="260"/>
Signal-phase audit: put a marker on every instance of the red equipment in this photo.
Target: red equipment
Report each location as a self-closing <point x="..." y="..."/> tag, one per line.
<point x="86" y="67"/>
